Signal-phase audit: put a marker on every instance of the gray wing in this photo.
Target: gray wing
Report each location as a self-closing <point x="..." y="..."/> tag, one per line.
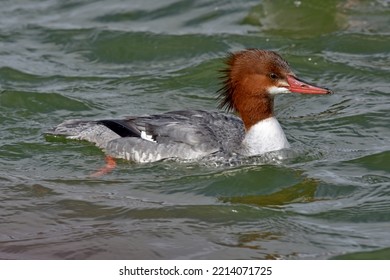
<point x="194" y="128"/>
<point x="183" y="134"/>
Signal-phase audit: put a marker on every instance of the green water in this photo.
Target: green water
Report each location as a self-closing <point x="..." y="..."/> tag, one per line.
<point x="97" y="59"/>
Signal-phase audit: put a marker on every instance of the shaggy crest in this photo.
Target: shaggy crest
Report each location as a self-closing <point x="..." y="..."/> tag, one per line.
<point x="225" y="93"/>
<point x="240" y="61"/>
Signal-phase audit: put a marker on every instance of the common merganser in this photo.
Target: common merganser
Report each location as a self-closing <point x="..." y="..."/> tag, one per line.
<point x="251" y="80"/>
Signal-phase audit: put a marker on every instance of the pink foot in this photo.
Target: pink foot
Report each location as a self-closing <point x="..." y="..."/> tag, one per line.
<point x="110" y="165"/>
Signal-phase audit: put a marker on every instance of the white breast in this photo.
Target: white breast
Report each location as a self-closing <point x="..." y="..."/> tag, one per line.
<point x="265" y="136"/>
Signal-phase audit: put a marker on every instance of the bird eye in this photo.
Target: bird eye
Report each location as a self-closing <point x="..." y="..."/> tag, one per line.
<point x="273" y="76"/>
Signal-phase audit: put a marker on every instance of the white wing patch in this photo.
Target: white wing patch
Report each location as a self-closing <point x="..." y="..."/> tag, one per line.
<point x="147" y="137"/>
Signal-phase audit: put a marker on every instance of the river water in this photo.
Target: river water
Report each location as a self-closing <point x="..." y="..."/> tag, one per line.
<point x="98" y="59"/>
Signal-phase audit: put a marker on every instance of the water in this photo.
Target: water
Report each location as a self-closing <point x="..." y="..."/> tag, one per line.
<point x="94" y="59"/>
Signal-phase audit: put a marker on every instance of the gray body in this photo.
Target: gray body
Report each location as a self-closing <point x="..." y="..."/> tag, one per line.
<point x="180" y="134"/>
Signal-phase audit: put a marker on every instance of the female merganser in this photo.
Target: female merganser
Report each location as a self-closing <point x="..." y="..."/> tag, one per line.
<point x="252" y="78"/>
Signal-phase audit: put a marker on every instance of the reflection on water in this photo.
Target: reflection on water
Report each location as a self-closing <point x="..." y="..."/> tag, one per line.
<point x="298" y="193"/>
<point x="311" y="18"/>
<point x="296" y="18"/>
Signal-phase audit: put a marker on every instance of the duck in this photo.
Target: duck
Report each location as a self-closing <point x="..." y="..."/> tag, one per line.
<point x="248" y="127"/>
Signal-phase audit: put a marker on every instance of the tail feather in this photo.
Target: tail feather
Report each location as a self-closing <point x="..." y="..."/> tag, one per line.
<point x="71" y="127"/>
<point x="90" y="131"/>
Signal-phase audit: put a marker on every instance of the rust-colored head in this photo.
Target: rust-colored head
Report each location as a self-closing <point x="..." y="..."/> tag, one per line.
<point x="251" y="80"/>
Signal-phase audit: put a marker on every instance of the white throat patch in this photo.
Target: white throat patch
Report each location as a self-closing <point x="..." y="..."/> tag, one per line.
<point x="265" y="136"/>
<point x="277" y="90"/>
